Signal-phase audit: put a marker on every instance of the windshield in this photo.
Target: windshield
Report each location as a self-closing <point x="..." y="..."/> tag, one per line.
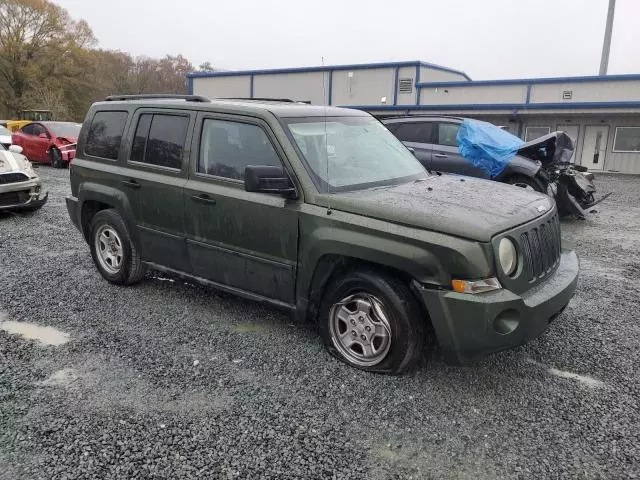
<point x="65" y="129"/>
<point x="350" y="153"/>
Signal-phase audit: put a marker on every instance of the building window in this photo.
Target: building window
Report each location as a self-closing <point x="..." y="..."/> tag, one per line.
<point x="627" y="139"/>
<point x="531" y="133"/>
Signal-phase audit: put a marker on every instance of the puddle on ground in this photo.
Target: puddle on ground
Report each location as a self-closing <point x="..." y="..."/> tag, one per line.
<point x="31" y="331"/>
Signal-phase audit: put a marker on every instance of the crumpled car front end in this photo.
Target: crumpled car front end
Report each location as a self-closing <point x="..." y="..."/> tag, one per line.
<point x="20" y="186"/>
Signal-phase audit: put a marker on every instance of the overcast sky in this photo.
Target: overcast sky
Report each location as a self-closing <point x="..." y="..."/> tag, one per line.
<point x="485" y="38"/>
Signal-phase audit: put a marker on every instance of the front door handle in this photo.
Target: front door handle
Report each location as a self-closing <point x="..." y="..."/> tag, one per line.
<point x="439" y="155"/>
<point x="131" y="184"/>
<point x="204" y="198"/>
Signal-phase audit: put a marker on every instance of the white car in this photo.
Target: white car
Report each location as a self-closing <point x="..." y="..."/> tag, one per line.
<point x="20" y="186"/>
<point x="5" y="137"/>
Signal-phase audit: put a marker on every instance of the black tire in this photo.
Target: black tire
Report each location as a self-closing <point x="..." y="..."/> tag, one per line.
<point x="527" y="182"/>
<point x="131" y="269"/>
<point x="405" y="319"/>
<point x="55" y="157"/>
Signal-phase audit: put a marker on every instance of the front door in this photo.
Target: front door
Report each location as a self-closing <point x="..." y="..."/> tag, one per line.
<point x="243" y="240"/>
<point x="594" y="148"/>
<point x="153" y="181"/>
<point x="572" y="131"/>
<point x="446" y="154"/>
<point x="418" y="136"/>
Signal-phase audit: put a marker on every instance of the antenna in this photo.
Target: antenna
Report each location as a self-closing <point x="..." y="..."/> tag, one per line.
<point x="326" y="143"/>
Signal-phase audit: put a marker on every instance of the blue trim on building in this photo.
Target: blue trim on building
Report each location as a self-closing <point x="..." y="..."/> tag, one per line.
<point x="529" y="87"/>
<point x="417" y="83"/>
<point x="396" y="76"/>
<point x="251" y="86"/>
<point x="330" y="93"/>
<point x="498" y="106"/>
<point x="190" y="85"/>
<point x="526" y="81"/>
<point x="359" y="66"/>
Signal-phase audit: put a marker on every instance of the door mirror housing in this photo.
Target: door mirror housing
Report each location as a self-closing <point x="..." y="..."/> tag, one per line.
<point x="268" y="179"/>
<point x="15" y="148"/>
<point x="43" y="135"/>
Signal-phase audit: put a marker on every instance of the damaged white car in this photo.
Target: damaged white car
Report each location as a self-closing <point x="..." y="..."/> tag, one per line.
<point x="20" y="186"/>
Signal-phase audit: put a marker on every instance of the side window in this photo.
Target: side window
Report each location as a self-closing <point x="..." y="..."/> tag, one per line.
<point x="419" y="132"/>
<point x="226" y="148"/>
<point x="105" y="134"/>
<point x="39" y="129"/>
<point x="29" y="129"/>
<point x="160" y="139"/>
<point x="447" y="133"/>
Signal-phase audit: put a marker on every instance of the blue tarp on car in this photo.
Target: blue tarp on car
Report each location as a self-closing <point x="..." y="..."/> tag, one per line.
<point x="487" y="146"/>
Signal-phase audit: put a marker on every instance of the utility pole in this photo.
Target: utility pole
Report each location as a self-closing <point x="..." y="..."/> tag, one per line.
<point x="604" y="61"/>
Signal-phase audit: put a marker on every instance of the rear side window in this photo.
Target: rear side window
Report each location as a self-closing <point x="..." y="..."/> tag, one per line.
<point x="226" y="148"/>
<point x="160" y="139"/>
<point x="447" y="134"/>
<point x="419" y="132"/>
<point x="105" y="134"/>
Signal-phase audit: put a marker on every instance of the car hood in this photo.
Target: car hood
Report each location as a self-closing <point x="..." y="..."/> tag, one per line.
<point x="13" y="163"/>
<point x="462" y="206"/>
<point x="5" y="138"/>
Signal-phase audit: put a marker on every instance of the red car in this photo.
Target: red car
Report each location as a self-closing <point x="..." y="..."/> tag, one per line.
<point x="48" y="142"/>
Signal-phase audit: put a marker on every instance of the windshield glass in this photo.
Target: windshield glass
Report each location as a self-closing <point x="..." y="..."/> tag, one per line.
<point x="65" y="129"/>
<point x="351" y="153"/>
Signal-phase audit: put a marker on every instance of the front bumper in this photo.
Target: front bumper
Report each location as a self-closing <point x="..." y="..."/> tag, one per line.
<point x="469" y="326"/>
<point x="22" y="196"/>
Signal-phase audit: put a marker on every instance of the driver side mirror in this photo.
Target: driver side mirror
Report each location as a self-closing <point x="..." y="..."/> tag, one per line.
<point x="15" y="148"/>
<point x="43" y="135"/>
<point x="268" y="179"/>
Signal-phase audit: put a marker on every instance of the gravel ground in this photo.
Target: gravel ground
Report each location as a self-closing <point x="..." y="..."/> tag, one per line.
<point x="172" y="380"/>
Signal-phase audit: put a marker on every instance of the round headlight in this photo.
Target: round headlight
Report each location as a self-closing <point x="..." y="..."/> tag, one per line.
<point x="507" y="256"/>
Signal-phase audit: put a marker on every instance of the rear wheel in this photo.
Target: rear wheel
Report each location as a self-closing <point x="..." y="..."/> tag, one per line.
<point x="370" y="320"/>
<point x="55" y="157"/>
<point x="113" y="252"/>
<point x="527" y="183"/>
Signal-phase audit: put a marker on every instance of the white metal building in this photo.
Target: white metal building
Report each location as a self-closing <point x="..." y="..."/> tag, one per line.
<point x="601" y="113"/>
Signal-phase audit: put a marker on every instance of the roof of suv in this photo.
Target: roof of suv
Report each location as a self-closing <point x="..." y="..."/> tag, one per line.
<point x="280" y="108"/>
<point x="418" y="118"/>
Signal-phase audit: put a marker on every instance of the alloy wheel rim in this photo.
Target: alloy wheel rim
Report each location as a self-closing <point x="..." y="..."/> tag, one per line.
<point x="360" y="329"/>
<point x="109" y="249"/>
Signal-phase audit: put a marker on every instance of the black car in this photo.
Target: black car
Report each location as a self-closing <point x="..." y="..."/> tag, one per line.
<point x="433" y="141"/>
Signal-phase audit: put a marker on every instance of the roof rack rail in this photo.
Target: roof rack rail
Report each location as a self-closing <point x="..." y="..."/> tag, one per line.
<point x="261" y="99"/>
<point x="157" y="96"/>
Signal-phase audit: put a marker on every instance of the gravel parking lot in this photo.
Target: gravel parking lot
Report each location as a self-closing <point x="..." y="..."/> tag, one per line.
<point x="168" y="379"/>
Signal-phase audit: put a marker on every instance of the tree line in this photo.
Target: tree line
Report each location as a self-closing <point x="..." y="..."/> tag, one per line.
<point x="50" y="61"/>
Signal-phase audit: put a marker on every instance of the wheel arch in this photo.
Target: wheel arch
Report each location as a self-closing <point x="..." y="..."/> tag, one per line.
<point x="94" y="197"/>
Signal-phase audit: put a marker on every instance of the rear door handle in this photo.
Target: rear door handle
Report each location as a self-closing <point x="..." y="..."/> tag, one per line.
<point x="204" y="198"/>
<point x="439" y="155"/>
<point x="131" y="184"/>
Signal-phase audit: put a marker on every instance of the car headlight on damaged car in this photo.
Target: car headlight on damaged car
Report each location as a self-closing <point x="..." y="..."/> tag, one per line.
<point x="507" y="256"/>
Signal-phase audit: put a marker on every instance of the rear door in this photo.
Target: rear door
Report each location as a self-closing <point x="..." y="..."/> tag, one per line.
<point x="446" y="155"/>
<point x="417" y="136"/>
<point x="244" y="240"/>
<point x="154" y="177"/>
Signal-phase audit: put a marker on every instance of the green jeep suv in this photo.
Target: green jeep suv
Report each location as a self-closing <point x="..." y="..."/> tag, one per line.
<point x="323" y="212"/>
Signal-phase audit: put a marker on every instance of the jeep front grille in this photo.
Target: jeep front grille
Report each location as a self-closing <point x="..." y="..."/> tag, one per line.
<point x="541" y="247"/>
<point x="13" y="177"/>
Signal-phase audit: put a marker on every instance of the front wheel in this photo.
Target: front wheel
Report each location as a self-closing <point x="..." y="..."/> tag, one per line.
<point x="528" y="183"/>
<point x="370" y="320"/>
<point x="113" y="252"/>
<point x="55" y="157"/>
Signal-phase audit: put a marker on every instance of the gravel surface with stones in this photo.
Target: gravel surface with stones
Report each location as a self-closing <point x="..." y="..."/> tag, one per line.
<point x="168" y="379"/>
